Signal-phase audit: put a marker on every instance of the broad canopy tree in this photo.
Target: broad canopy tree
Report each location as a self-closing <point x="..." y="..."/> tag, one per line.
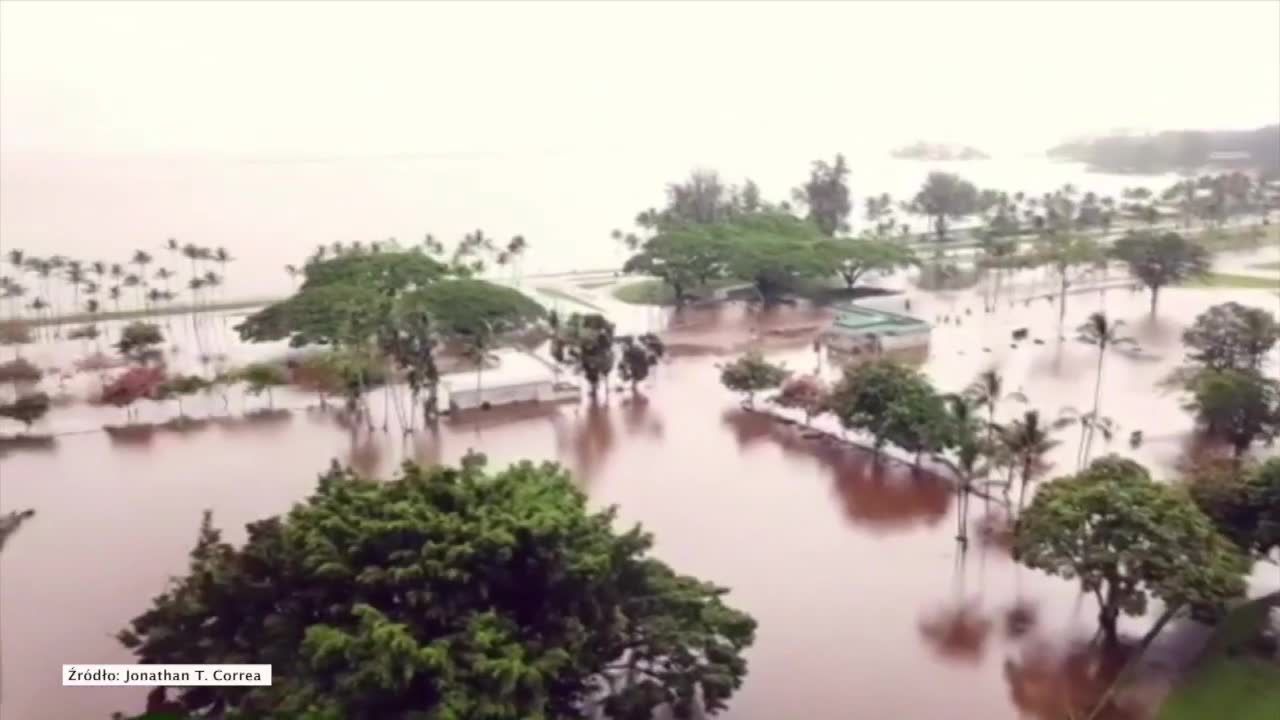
<point x="1128" y="539"/>
<point x="854" y="258"/>
<point x="446" y="593"/>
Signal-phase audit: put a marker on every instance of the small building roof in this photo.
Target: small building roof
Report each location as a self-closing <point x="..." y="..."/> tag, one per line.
<point x="852" y="316"/>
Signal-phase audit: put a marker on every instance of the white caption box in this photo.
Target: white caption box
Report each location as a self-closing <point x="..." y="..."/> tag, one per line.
<point x="170" y="675"/>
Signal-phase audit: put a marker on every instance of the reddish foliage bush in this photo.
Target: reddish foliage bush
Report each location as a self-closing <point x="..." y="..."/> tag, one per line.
<point x="135" y="384"/>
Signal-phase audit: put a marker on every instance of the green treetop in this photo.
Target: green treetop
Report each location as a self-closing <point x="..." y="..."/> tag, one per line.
<point x="446" y="593"/>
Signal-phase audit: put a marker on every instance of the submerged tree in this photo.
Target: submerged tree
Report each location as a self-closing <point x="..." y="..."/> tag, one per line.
<point x="26" y="409"/>
<point x="262" y="377"/>
<point x="138" y="342"/>
<point x="180" y="386"/>
<point x="892" y="403"/>
<point x="446" y="593"/>
<point x="584" y="343"/>
<point x="1159" y="261"/>
<point x="1244" y="503"/>
<point x="1237" y="406"/>
<point x="637" y="356"/>
<point x="1231" y="336"/>
<point x="751" y="374"/>
<point x="1104" y="334"/>
<point x="806" y="393"/>
<point x="1027" y="440"/>
<point x="1127" y="539"/>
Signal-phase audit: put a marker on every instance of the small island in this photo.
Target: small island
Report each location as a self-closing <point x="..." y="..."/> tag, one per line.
<point x="938" y="152"/>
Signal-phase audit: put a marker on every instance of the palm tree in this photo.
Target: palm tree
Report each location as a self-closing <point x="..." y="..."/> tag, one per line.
<point x="17" y="259"/>
<point x="75" y="276"/>
<point x="222" y="257"/>
<point x="141" y="258"/>
<point x="292" y="271"/>
<point x="133" y="281"/>
<point x="113" y="292"/>
<point x="92" y="306"/>
<point x="1102" y="333"/>
<point x="969" y="454"/>
<point x="1089" y="423"/>
<point x="14" y="292"/>
<point x="986" y="391"/>
<point x="1027" y="440"/>
<point x="192" y="253"/>
<point x="164" y="274"/>
<point x="38" y="304"/>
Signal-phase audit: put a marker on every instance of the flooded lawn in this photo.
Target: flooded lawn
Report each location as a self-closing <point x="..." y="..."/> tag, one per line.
<point x="866" y="608"/>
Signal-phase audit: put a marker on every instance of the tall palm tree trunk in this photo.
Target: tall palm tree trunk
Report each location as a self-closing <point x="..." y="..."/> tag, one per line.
<point x="1097" y="405"/>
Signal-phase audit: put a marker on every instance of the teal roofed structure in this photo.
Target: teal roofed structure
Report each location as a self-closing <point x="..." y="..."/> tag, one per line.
<point x="861" y="330"/>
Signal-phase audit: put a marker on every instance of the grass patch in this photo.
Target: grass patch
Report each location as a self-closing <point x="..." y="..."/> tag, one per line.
<point x="656" y="292"/>
<point x="1230" y="682"/>
<point x="1226" y="280"/>
<point x="1238" y="238"/>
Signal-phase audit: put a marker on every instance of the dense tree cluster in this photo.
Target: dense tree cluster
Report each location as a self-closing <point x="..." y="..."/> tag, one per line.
<point x="446" y="593"/>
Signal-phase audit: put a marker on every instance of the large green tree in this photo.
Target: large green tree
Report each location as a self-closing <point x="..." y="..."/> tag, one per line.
<point x="892" y="403"/>
<point x="774" y="251"/>
<point x="1231" y="336"/>
<point x="1128" y="539"/>
<point x="446" y="593"/>
<point x="684" y="258"/>
<point x="853" y="258"/>
<point x="1159" y="261"/>
<point x="1239" y="407"/>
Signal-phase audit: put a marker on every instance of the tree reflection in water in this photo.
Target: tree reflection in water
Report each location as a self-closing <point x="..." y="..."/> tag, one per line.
<point x="878" y="493"/>
<point x="1050" y="683"/>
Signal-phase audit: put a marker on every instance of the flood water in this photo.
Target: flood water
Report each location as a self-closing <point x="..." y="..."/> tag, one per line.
<point x="866" y="608"/>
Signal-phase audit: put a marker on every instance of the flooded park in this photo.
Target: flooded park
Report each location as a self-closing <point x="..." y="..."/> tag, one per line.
<point x="867" y="606"/>
<point x="639" y="361"/>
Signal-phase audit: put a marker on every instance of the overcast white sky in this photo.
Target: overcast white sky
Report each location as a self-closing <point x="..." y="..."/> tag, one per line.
<point x="351" y="79"/>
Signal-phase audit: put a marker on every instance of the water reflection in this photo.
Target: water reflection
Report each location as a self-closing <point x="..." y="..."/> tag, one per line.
<point x="1050" y="682"/>
<point x="958" y="632"/>
<point x="877" y="492"/>
<point x="587" y="438"/>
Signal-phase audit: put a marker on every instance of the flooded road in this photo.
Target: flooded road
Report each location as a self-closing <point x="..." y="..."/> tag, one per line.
<point x="866" y="609"/>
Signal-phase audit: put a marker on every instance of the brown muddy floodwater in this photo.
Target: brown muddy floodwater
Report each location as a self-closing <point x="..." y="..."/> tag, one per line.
<point x="866" y="608"/>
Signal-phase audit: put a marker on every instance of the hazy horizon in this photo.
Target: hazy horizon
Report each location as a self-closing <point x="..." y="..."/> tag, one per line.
<point x="329" y="79"/>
